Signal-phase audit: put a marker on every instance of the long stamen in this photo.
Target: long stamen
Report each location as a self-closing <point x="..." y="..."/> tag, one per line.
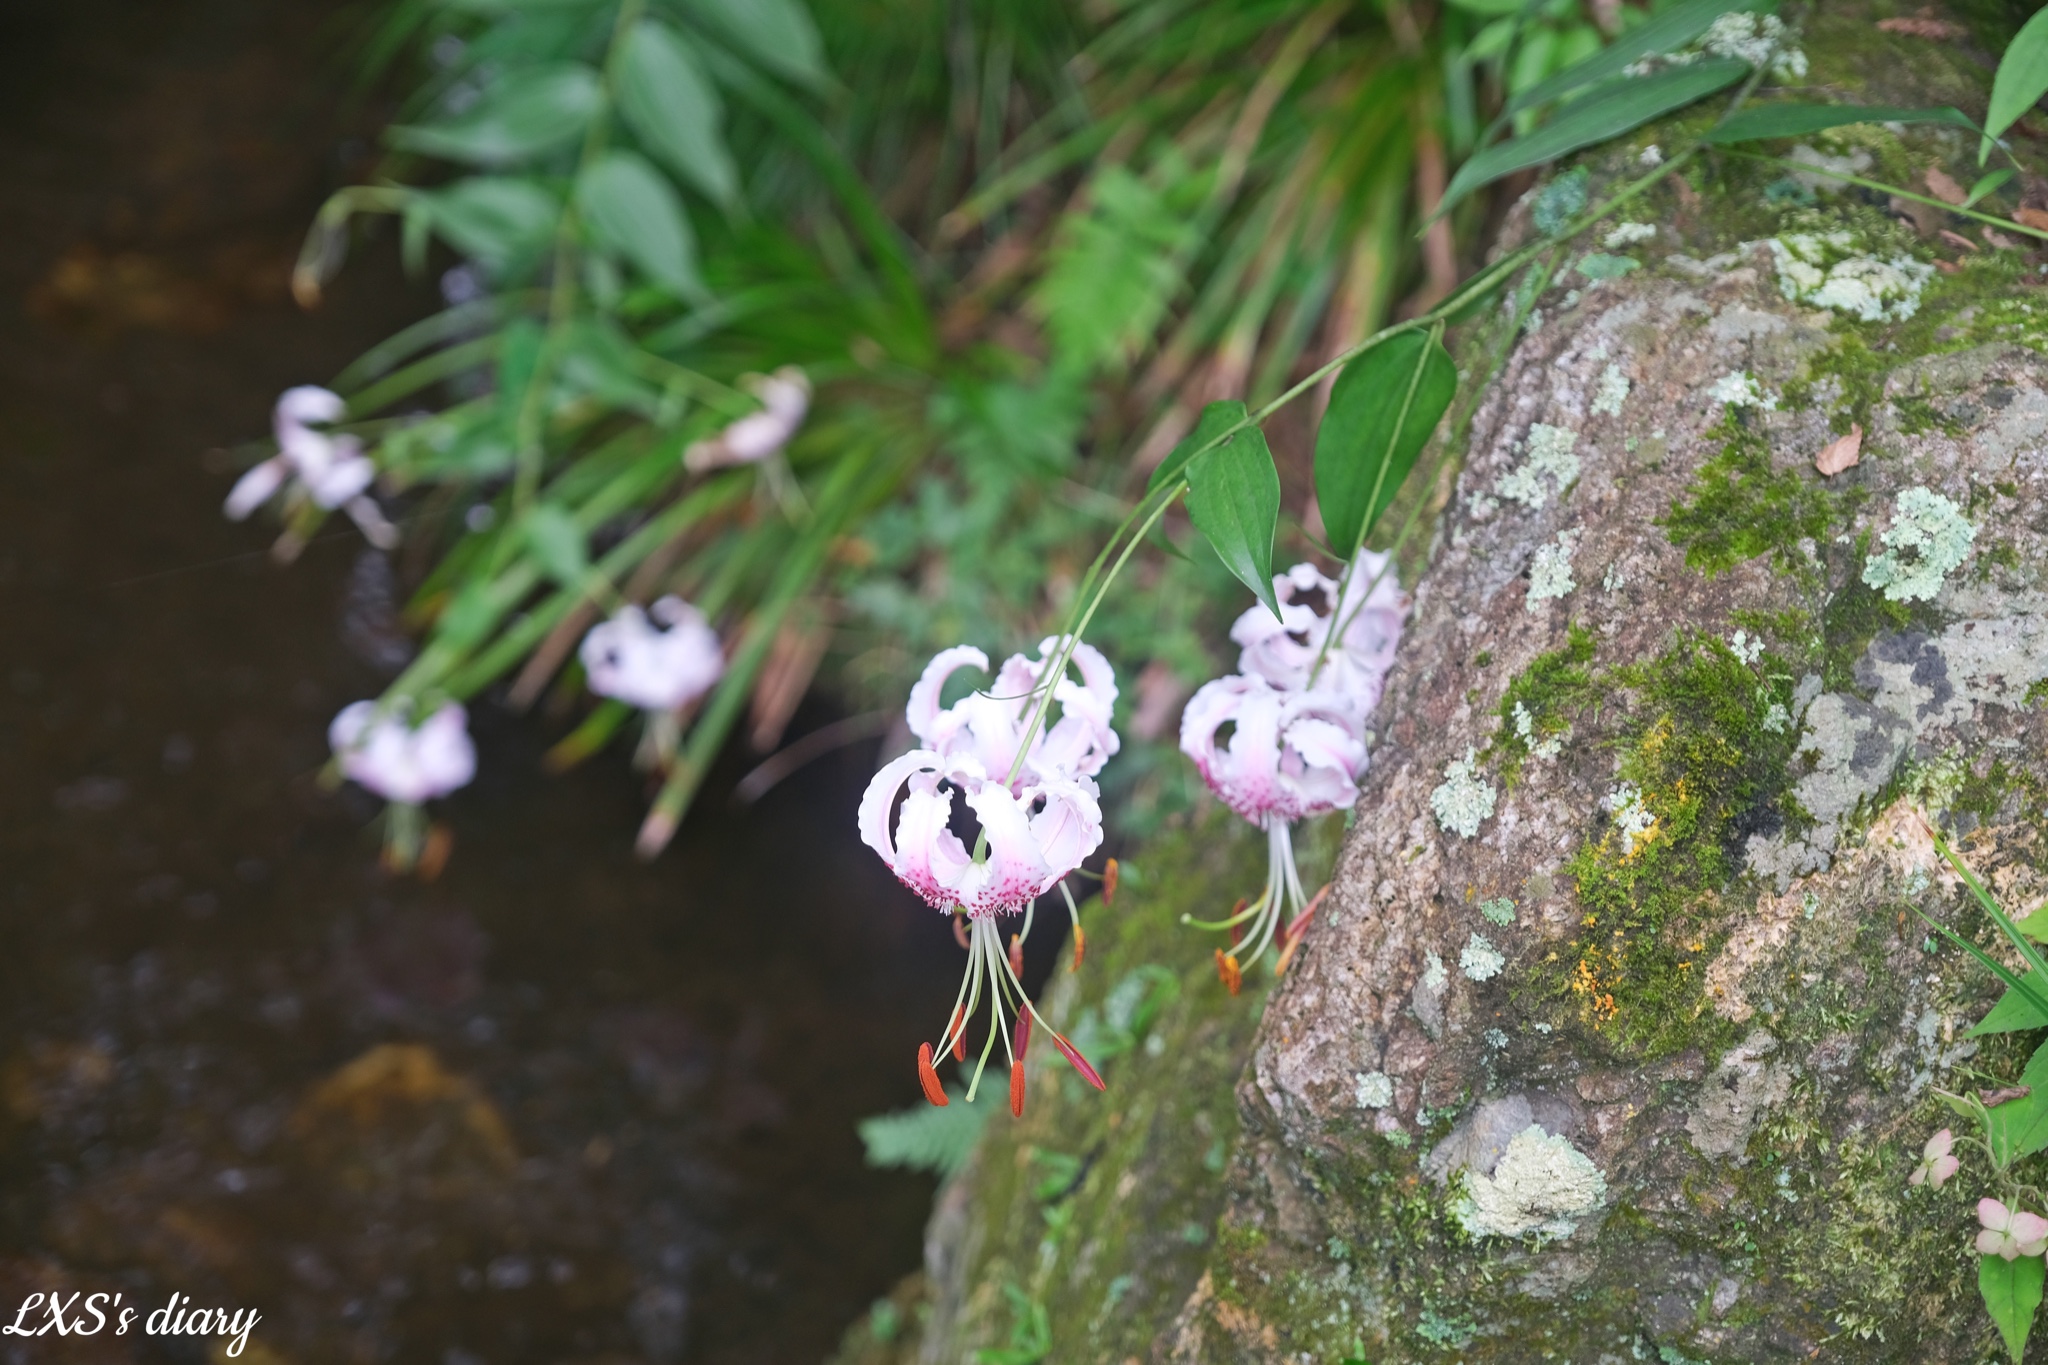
<point x="1239" y="913"/>
<point x="1074" y="913"/>
<point x="987" y="940"/>
<point x="1017" y="1049"/>
<point x="1067" y="1049"/>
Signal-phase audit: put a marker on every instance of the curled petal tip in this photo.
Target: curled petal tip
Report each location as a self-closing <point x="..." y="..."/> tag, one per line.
<point x="1078" y="1062"/>
<point x="1017" y="1089"/>
<point x="928" y="1077"/>
<point x="1109" y="876"/>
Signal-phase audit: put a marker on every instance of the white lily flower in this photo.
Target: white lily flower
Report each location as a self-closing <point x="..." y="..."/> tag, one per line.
<point x="785" y="400"/>
<point x="1290" y="755"/>
<point x="656" y="664"/>
<point x="1037" y="826"/>
<point x="1285" y="650"/>
<point x="402" y="762"/>
<point x="331" y="469"/>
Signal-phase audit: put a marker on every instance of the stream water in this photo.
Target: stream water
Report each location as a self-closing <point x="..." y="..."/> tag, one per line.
<point x="555" y="1106"/>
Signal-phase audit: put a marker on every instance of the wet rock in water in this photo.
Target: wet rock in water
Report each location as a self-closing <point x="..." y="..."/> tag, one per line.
<point x="395" y="1118"/>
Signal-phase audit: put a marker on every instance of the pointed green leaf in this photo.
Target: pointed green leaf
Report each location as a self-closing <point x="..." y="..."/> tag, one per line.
<point x="671" y="105"/>
<point x="1797" y="120"/>
<point x="529" y="112"/>
<point x="2012" y="1291"/>
<point x="1606" y="112"/>
<point x="2019" y="1127"/>
<point x="2021" y="81"/>
<point x="1383" y="408"/>
<point x="778" y="34"/>
<point x="557" y="542"/>
<point x="2035" y="925"/>
<point x="1234" y="501"/>
<point x="631" y="210"/>
<point x="2016" y="1010"/>
<point x="1214" y="421"/>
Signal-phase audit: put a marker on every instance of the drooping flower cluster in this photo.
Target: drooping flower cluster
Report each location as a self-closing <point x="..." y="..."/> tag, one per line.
<point x="1308" y="680"/>
<point x="1031" y="786"/>
<point x="320" y="467"/>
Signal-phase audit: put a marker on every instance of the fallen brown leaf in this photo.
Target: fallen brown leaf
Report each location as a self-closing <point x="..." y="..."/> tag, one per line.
<point x="1844" y="452"/>
<point x="2033" y="218"/>
<point x="1956" y="239"/>
<point x="1993" y="1098"/>
<point x="1999" y="239"/>
<point x="1944" y="187"/>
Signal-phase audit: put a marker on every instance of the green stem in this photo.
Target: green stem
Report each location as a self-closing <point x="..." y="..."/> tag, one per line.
<point x="2004" y="224"/>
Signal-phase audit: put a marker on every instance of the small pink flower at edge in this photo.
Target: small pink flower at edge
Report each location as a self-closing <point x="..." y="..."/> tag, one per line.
<point x="2010" y="1233"/>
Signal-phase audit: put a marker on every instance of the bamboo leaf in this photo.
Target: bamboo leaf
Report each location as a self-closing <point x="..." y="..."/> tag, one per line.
<point x="531" y="112"/>
<point x="497" y="220"/>
<point x="1988" y="184"/>
<point x="1234" y="501"/>
<point x="631" y="210"/>
<point x="2012" y="1291"/>
<point x="1383" y="408"/>
<point x="2021" y="81"/>
<point x="1606" y="112"/>
<point x="672" y="107"/>
<point x="1665" y="32"/>
<point x="1216" y="419"/>
<point x="1797" y="120"/>
<point x="2019" y="1009"/>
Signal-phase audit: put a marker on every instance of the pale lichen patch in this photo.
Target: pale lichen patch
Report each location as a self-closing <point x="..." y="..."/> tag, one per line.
<point x="1928" y="538"/>
<point x="1550" y="572"/>
<point x="1541" y="1187"/>
<point x="1464" y="799"/>
<point x="1549" y="465"/>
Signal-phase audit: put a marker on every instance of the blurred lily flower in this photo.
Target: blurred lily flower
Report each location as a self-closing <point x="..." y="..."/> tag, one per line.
<point x="1039" y="814"/>
<point x="399" y="761"/>
<point x="1297" y="744"/>
<point x="785" y="399"/>
<point x="658" y="660"/>
<point x="331" y="470"/>
<point x="408" y="765"/>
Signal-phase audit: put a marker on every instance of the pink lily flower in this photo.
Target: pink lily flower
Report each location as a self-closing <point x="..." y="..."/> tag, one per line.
<point x="328" y="470"/>
<point x="1309" y="679"/>
<point x="1285" y="650"/>
<point x="399" y="761"/>
<point x="1040" y="817"/>
<point x="2010" y="1233"/>
<point x="1936" y="1162"/>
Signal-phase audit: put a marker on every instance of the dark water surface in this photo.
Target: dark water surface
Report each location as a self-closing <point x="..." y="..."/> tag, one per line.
<point x="553" y="1107"/>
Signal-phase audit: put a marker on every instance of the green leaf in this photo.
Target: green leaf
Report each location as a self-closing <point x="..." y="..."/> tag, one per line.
<point x="557" y="542"/>
<point x="776" y="33"/>
<point x="1491" y="9"/>
<point x="530" y="112"/>
<point x="671" y="105"/>
<point x="1214" y="421"/>
<point x="1383" y="408"/>
<point x="497" y="220"/>
<point x="2016" y="1010"/>
<point x="632" y="211"/>
<point x="1606" y="113"/>
<point x="1665" y="32"/>
<point x="1797" y="120"/>
<point x="2019" y="1127"/>
<point x="2021" y="81"/>
<point x="2012" y="1291"/>
<point x="1234" y="501"/>
<point x="1988" y="184"/>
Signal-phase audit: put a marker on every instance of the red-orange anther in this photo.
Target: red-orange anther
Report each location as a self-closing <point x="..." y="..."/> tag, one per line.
<point x="1079" y="1063"/>
<point x="1017" y="1089"/>
<point x="1020" y="1036"/>
<point x="1080" y="946"/>
<point x="1109" y="882"/>
<point x="959" y="1032"/>
<point x="1228" y="971"/>
<point x="928" y="1078"/>
<point x="1016" y="956"/>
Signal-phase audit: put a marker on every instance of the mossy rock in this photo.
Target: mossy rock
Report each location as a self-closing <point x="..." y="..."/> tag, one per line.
<point x="1677" y="1124"/>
